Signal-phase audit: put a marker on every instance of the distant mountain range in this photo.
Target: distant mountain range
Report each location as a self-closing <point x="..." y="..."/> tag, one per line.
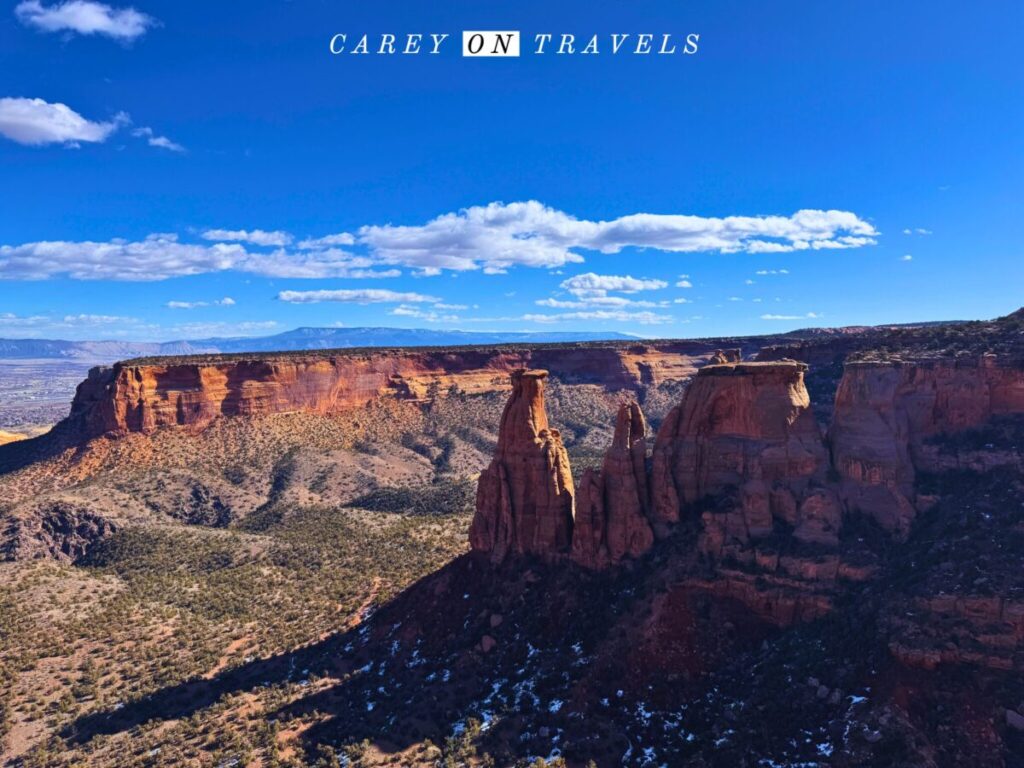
<point x="296" y="340"/>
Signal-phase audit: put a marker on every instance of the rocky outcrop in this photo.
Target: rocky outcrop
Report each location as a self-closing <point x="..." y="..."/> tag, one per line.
<point x="613" y="504"/>
<point x="524" y="499"/>
<point x="55" y="530"/>
<point x="745" y="429"/>
<point x="145" y="395"/>
<point x="887" y="412"/>
<point x="958" y="629"/>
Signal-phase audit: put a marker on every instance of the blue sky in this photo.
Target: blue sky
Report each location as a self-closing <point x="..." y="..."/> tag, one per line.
<point x="143" y="145"/>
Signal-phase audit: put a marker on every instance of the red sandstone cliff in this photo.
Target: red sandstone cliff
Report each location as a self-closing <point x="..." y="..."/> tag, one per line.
<point x="141" y="396"/>
<point x="525" y="497"/>
<point x="746" y="427"/>
<point x="886" y="411"/>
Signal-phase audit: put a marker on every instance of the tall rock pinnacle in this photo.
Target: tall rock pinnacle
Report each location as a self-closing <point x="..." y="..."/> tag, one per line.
<point x="613" y="504"/>
<point x="524" y="502"/>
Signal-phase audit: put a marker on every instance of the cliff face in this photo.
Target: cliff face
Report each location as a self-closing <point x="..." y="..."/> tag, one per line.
<point x="887" y="412"/>
<point x="743" y="454"/>
<point x="145" y="396"/>
<point x="525" y="497"/>
<point x="744" y="426"/>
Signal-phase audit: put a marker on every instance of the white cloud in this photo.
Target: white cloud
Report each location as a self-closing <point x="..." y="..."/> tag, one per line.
<point x="491" y="238"/>
<point x="156" y="258"/>
<point x="157" y="141"/>
<point x="917" y="231"/>
<point x="643" y="318"/>
<point x="735" y="298"/>
<point x="681" y="301"/>
<point x="683" y="283"/>
<point x="808" y="316"/>
<point x="84" y="17"/>
<point x="356" y="296"/>
<point x="35" y="122"/>
<point x="317" y="264"/>
<point x="906" y="257"/>
<point x="429" y="315"/>
<point x="497" y="236"/>
<point x="748" y="282"/>
<point x="342" y="238"/>
<point x="595" y="301"/>
<point x="590" y="284"/>
<point x="227" y="301"/>
<point x="763" y="272"/>
<point x="253" y="237"/>
<point x="451" y="306"/>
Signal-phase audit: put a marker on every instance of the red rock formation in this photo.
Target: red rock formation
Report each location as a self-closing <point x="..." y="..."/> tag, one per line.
<point x="524" y="502"/>
<point x="884" y="413"/>
<point x="142" y="396"/>
<point x="612" y="505"/>
<point x="746" y="427"/>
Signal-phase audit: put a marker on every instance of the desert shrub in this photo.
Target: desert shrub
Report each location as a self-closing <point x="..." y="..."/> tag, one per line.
<point x="445" y="497"/>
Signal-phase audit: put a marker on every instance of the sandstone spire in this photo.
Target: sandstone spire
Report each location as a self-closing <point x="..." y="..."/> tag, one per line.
<point x="524" y="502"/>
<point x="612" y="505"/>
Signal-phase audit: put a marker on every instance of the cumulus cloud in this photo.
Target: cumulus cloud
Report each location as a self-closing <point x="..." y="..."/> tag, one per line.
<point x="356" y="296"/>
<point x="498" y="236"/>
<point x="597" y="301"/>
<point x="763" y="272"/>
<point x="590" y="284"/>
<point x="253" y="237"/>
<point x="162" y="256"/>
<point x="590" y="291"/>
<point x="906" y="257"/>
<point x="84" y="17"/>
<point x="35" y="122"/>
<point x="227" y="301"/>
<point x="490" y="238"/>
<point x="158" y="257"/>
<point x="917" y="231"/>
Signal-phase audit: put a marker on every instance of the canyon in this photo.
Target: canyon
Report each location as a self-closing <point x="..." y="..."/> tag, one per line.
<point x="635" y="552"/>
<point x="145" y="395"/>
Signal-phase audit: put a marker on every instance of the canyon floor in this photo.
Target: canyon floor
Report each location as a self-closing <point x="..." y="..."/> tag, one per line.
<point x="297" y="589"/>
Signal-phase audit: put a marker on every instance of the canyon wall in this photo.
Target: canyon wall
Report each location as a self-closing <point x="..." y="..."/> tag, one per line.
<point x="889" y="415"/>
<point x="144" y="396"/>
<point x="743" y="457"/>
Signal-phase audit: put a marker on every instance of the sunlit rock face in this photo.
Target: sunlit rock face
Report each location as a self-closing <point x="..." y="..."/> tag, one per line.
<point x="749" y="428"/>
<point x="613" y="504"/>
<point x="525" y="497"/>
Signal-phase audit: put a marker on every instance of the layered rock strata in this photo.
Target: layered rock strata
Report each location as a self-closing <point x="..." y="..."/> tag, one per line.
<point x="746" y="429"/>
<point x="524" y="501"/>
<point x="888" y="414"/>
<point x="613" y="504"/>
<point x="146" y="395"/>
